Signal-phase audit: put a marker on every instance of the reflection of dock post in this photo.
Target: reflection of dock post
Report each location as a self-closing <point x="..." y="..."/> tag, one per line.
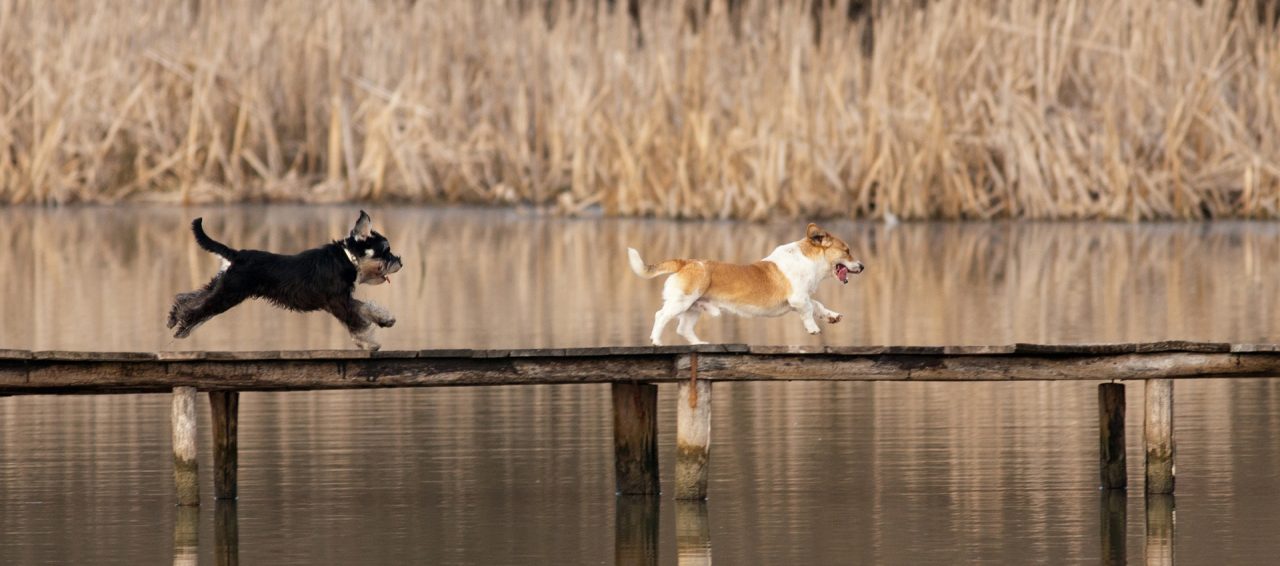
<point x="1114" y="473"/>
<point x="1158" y="435"/>
<point x="186" y="537"/>
<point x="1113" y="511"/>
<point x="226" y="534"/>
<point x="693" y="439"/>
<point x="225" y="409"/>
<point x="1161" y="529"/>
<point x="185" y="464"/>
<point x="635" y="438"/>
<point x="635" y="527"/>
<point x="693" y="534"/>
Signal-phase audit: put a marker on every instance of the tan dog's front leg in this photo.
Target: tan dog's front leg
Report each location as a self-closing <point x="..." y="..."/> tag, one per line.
<point x="824" y="312"/>
<point x="804" y="306"/>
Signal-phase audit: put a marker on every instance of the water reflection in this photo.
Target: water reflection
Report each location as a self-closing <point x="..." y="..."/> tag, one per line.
<point x="1113" y="520"/>
<point x="226" y="534"/>
<point x="693" y="533"/>
<point x="636" y="530"/>
<point x="92" y="278"/>
<point x="186" y="536"/>
<point x="1161" y="530"/>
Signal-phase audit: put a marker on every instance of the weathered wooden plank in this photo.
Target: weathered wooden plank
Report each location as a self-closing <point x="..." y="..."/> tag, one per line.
<point x="631" y="350"/>
<point x="1249" y="348"/>
<point x="1075" y="349"/>
<point x="635" y="438"/>
<point x="856" y="350"/>
<point x="1158" y="436"/>
<point x="916" y="350"/>
<point x="180" y="356"/>
<point x="537" y="353"/>
<point x="396" y="354"/>
<point x="792" y="349"/>
<point x="185" y="463"/>
<point x="246" y="355"/>
<point x="1183" y="346"/>
<point x="276" y="375"/>
<point x="66" y="355"/>
<point x="15" y="354"/>
<point x="1112" y="465"/>
<point x="887" y="367"/>
<point x="450" y="353"/>
<point x="978" y="350"/>
<point x="323" y="355"/>
<point x="13" y="374"/>
<point x="224" y="408"/>
<point x="693" y="438"/>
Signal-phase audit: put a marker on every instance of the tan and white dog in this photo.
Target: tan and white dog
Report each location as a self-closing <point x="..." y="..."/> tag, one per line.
<point x="780" y="283"/>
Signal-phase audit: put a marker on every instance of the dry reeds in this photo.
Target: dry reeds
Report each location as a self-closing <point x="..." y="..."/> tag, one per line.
<point x="1133" y="109"/>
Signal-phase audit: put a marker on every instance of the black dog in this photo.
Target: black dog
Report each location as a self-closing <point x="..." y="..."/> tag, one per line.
<point x="323" y="278"/>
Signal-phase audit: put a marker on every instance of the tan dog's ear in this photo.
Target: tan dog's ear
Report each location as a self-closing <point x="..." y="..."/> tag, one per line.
<point x="817" y="235"/>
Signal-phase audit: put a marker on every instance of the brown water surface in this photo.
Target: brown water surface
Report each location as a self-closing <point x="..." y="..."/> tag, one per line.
<point x="802" y="473"/>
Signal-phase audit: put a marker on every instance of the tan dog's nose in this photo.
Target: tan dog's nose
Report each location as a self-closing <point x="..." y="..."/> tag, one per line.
<point x="857" y="267"/>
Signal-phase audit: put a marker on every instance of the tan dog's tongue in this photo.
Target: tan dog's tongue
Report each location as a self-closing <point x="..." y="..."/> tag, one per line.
<point x="842" y="273"/>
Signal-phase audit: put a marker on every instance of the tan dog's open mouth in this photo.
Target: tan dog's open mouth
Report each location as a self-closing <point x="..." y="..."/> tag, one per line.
<point x="842" y="273"/>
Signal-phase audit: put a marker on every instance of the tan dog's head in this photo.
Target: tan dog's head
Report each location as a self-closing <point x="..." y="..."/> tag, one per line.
<point x="832" y="251"/>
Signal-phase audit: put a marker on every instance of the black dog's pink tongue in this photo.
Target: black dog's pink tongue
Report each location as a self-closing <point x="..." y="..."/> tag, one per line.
<point x="842" y="273"/>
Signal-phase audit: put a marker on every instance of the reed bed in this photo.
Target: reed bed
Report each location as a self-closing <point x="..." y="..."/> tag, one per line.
<point x="1125" y="109"/>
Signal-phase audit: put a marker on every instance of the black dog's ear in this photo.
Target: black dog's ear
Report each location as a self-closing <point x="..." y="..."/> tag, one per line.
<point x="363" y="227"/>
<point x="815" y="234"/>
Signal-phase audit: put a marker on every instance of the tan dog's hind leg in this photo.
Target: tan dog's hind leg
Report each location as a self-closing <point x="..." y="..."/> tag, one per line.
<point x="685" y="326"/>
<point x="679" y="293"/>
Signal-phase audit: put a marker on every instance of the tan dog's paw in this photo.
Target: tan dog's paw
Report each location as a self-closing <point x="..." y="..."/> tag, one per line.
<point x="816" y="331"/>
<point x="834" y="318"/>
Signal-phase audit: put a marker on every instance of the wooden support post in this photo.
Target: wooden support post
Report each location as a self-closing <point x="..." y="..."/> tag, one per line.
<point x="635" y="537"/>
<point x="635" y="438"/>
<point x="1158" y="435"/>
<point x="185" y="465"/>
<point x="1113" y="515"/>
<point x="693" y="439"/>
<point x="1161" y="529"/>
<point x="225" y="409"/>
<point x="1114" y="469"/>
<point x="693" y="534"/>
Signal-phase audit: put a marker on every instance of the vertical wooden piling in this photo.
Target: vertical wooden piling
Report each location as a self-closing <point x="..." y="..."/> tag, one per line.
<point x="225" y="409"/>
<point x="185" y="464"/>
<point x="693" y="439"/>
<point x="1158" y="436"/>
<point x="635" y="438"/>
<point x="1114" y="468"/>
<point x="1161" y="529"/>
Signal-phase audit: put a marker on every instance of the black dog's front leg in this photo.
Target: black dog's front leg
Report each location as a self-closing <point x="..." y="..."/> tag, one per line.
<point x="352" y="313"/>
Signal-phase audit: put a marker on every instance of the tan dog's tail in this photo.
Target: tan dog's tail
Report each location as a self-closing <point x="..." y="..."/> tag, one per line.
<point x="650" y="271"/>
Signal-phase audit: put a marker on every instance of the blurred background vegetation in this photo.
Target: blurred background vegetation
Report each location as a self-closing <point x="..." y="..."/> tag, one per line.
<point x="1124" y="109"/>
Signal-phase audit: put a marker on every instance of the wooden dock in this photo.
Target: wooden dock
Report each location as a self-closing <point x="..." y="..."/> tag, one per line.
<point x="635" y="374"/>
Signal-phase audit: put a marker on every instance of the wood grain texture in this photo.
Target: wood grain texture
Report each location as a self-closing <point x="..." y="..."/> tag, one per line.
<point x="635" y="438"/>
<point x="693" y="439"/>
<point x="185" y="463"/>
<point x="224" y="408"/>
<point x="1113" y="468"/>
<point x="1157" y="435"/>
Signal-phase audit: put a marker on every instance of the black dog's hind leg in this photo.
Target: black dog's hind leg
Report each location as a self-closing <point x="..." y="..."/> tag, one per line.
<point x="190" y="310"/>
<point x="354" y="314"/>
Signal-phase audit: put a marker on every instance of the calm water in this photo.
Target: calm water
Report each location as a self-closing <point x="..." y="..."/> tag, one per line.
<point x="801" y="473"/>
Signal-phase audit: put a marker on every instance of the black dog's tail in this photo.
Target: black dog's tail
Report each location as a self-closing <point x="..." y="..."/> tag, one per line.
<point x="209" y="244"/>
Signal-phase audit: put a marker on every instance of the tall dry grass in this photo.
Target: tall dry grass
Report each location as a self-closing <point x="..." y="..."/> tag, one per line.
<point x="1132" y="109"/>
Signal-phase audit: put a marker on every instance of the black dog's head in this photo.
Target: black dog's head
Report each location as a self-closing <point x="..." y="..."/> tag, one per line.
<point x="371" y="252"/>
